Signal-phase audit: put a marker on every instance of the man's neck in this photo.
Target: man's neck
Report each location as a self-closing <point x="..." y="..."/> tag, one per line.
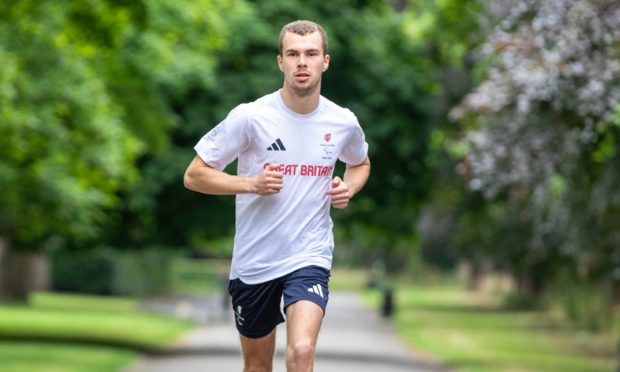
<point x="300" y="105"/>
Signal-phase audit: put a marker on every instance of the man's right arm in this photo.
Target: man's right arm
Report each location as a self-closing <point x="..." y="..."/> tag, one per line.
<point x="205" y="179"/>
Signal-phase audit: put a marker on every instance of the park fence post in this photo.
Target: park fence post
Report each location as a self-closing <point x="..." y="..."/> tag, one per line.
<point x="388" y="302"/>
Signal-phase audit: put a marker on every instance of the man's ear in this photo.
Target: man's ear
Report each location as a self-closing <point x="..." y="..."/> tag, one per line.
<point x="279" y="59"/>
<point x="326" y="62"/>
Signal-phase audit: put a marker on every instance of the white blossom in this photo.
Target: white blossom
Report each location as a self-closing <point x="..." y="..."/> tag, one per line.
<point x="553" y="84"/>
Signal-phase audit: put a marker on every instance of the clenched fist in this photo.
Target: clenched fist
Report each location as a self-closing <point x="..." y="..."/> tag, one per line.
<point x="270" y="181"/>
<point x="339" y="193"/>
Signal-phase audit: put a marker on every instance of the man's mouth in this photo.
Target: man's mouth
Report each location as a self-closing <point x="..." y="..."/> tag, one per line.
<point x="302" y="76"/>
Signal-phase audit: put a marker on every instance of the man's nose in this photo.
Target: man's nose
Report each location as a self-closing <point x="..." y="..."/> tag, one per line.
<point x="302" y="60"/>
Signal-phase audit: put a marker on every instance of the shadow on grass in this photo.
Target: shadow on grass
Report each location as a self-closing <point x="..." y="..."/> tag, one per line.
<point x="464" y="309"/>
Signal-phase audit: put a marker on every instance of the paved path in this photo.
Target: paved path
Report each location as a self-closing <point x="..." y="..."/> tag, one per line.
<point x="352" y="338"/>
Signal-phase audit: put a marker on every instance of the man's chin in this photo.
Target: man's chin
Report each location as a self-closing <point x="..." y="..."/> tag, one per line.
<point x="304" y="91"/>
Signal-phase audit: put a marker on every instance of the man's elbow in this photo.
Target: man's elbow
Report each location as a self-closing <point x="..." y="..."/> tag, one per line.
<point x="189" y="181"/>
<point x="364" y="164"/>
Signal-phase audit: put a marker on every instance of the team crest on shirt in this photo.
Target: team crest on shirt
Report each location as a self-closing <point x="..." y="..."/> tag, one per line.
<point x="328" y="148"/>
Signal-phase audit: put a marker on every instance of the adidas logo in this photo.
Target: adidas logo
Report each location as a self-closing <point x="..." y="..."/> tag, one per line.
<point x="316" y="289"/>
<point x="277" y="146"/>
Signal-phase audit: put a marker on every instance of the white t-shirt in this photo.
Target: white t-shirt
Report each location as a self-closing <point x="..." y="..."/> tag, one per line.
<point x="280" y="233"/>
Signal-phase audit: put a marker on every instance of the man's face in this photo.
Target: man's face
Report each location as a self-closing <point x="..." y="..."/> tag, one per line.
<point x="302" y="62"/>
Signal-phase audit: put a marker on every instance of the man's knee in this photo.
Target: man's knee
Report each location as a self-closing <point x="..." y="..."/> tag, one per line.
<point x="301" y="350"/>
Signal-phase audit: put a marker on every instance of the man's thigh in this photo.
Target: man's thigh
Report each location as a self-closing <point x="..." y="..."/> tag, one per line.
<point x="303" y="320"/>
<point x="306" y="293"/>
<point x="258" y="352"/>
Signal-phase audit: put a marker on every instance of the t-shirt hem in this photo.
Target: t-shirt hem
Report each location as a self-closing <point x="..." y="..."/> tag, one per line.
<point x="257" y="279"/>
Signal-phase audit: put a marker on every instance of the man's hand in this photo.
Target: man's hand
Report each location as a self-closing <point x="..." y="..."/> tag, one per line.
<point x="270" y="181"/>
<point x="339" y="193"/>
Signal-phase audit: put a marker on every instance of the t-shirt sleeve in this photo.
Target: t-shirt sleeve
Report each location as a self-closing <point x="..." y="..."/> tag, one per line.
<point x="223" y="144"/>
<point x="356" y="149"/>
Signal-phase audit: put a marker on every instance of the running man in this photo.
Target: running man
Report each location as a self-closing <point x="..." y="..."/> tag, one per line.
<point x="287" y="144"/>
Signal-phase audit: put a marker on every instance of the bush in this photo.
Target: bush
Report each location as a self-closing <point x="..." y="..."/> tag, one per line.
<point x="584" y="304"/>
<point x="522" y="301"/>
<point x="83" y="272"/>
<point x="112" y="272"/>
<point x="142" y="273"/>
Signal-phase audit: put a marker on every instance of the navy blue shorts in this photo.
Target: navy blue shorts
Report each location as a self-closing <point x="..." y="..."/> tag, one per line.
<point x="257" y="306"/>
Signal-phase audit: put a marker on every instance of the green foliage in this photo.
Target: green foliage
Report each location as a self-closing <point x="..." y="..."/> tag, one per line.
<point x="376" y="70"/>
<point x="84" y="272"/>
<point x="143" y="273"/>
<point x="123" y="90"/>
<point x="195" y="276"/>
<point x="580" y="301"/>
<point x="180" y="54"/>
<point x="88" y="89"/>
<point x="181" y="40"/>
<point x="447" y="26"/>
<point x="136" y="273"/>
<point x="63" y="148"/>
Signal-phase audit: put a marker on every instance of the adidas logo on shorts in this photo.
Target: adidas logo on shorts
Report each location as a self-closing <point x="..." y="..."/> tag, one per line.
<point x="316" y="289"/>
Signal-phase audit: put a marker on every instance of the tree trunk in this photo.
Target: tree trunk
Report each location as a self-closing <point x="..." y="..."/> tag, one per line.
<point x="22" y="273"/>
<point x="470" y="274"/>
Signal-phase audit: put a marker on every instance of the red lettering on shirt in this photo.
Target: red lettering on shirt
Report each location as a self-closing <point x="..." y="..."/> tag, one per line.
<point x="304" y="169"/>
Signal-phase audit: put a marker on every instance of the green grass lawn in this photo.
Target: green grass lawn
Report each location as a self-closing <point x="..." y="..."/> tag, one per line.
<point x="471" y="334"/>
<point x="79" y="333"/>
<point x="35" y="356"/>
<point x="65" y="301"/>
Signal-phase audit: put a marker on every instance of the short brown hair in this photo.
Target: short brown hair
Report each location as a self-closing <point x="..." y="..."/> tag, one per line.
<point x="303" y="27"/>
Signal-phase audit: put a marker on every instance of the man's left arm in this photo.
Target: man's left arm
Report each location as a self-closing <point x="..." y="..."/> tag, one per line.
<point x="342" y="190"/>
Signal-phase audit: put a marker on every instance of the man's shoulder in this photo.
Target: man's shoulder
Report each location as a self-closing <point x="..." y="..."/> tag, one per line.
<point x="335" y="110"/>
<point x="259" y="104"/>
<point x="247" y="110"/>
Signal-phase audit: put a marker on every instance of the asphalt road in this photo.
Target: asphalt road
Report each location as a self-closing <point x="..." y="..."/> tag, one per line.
<point x="352" y="338"/>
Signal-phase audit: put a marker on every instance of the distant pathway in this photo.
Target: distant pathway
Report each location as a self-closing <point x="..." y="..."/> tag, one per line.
<point x="352" y="338"/>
